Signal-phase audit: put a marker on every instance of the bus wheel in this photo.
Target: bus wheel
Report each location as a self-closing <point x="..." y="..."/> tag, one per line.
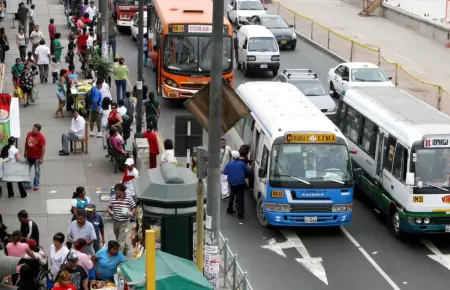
<point x="396" y="225"/>
<point x="260" y="213"/>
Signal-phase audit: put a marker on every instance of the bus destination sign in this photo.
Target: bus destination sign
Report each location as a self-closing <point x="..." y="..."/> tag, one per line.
<point x="437" y="142"/>
<point x="194" y="28"/>
<point x="309" y="138"/>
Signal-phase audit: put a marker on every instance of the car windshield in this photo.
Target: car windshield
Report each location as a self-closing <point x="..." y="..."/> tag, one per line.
<point x="432" y="166"/>
<point x="262" y="44"/>
<point x="250" y="5"/>
<point x="309" y="163"/>
<point x="193" y="54"/>
<point x="309" y="88"/>
<point x="274" y="22"/>
<point x="368" y="75"/>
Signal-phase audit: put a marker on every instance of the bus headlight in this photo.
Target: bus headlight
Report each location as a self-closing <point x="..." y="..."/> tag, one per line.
<point x="418" y="220"/>
<point x="342" y="207"/>
<point x="278" y="207"/>
<point x="171" y="83"/>
<point x="426" y="220"/>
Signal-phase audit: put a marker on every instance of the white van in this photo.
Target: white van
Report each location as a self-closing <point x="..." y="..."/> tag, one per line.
<point x="256" y="49"/>
<point x="240" y="11"/>
<point x="135" y="25"/>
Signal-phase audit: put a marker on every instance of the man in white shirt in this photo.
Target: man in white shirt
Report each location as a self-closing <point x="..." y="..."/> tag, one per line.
<point x="225" y="157"/>
<point x="43" y="60"/>
<point x="129" y="175"/>
<point x="77" y="131"/>
<point x="36" y="36"/>
<point x="91" y="39"/>
<point x="31" y="20"/>
<point x="92" y="11"/>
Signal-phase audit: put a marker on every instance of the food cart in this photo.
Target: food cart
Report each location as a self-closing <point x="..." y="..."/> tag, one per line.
<point x="78" y="91"/>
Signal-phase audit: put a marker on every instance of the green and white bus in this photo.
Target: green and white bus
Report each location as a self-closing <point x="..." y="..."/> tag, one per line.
<point x="404" y="156"/>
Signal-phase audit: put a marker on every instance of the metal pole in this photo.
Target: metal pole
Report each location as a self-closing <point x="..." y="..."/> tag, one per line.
<point x="105" y="17"/>
<point x="215" y="129"/>
<point x="200" y="224"/>
<point x="140" y="78"/>
<point x="188" y="153"/>
<point x="150" y="253"/>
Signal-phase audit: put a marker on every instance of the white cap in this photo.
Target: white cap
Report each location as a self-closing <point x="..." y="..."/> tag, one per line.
<point x="129" y="161"/>
<point x="235" y="154"/>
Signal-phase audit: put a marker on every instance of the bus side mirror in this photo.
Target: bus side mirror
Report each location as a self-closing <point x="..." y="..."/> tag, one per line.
<point x="410" y="178"/>
<point x="357" y="173"/>
<point x="262" y="173"/>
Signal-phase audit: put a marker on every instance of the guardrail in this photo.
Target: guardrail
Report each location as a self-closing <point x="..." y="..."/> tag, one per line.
<point x="232" y="272"/>
<point x="350" y="50"/>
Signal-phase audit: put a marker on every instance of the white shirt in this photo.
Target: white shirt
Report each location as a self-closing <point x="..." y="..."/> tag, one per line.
<point x="76" y="200"/>
<point x="36" y="36"/>
<point x="224" y="156"/>
<point x="91" y="11"/>
<point x="105" y="91"/>
<point x="168" y="156"/>
<point x="57" y="258"/>
<point x="129" y="184"/>
<point x="90" y="40"/>
<point x="12" y="154"/>
<point x="43" y="53"/>
<point x="38" y="256"/>
<point x="77" y="126"/>
<point x="31" y="15"/>
<point x="122" y="110"/>
<point x="55" y="66"/>
<point x="105" y="114"/>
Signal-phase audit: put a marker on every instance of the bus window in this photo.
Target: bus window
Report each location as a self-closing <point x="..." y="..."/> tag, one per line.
<point x="343" y="118"/>
<point x="400" y="161"/>
<point x="264" y="158"/>
<point x="369" y="137"/>
<point x="389" y="153"/>
<point x="354" y="124"/>
<point x="247" y="132"/>
<point x="259" y="146"/>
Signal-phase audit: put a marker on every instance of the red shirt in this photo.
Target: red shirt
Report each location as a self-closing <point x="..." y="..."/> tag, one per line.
<point x="51" y="30"/>
<point x="61" y="287"/>
<point x="34" y="145"/>
<point x="86" y="21"/>
<point x="155" y="56"/>
<point x="152" y="142"/>
<point x="82" y="40"/>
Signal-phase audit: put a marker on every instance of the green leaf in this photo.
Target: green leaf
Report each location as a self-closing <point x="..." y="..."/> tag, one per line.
<point x="101" y="66"/>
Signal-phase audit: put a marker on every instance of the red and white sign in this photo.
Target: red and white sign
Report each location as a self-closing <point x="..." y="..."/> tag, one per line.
<point x="199" y="28"/>
<point x="437" y="142"/>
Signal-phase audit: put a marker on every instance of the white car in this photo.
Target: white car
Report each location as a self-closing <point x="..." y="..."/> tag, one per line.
<point x="240" y="11"/>
<point x="356" y="74"/>
<point x="135" y="25"/>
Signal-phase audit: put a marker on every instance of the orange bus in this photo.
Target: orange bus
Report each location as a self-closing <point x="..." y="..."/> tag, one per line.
<point x="182" y="30"/>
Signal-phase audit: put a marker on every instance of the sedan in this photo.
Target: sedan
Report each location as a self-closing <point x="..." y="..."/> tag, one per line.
<point x="283" y="32"/>
<point x="356" y="74"/>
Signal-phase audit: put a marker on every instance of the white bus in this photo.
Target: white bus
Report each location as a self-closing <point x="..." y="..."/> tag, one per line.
<point x="302" y="170"/>
<point x="404" y="147"/>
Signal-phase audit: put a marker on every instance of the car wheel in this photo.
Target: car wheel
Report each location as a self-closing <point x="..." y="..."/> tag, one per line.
<point x="275" y="73"/>
<point x="396" y="225"/>
<point x="244" y="70"/>
<point x="260" y="213"/>
<point x="293" y="46"/>
<point x="332" y="89"/>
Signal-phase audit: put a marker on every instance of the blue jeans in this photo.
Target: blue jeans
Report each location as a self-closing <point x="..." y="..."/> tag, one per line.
<point x="121" y="89"/>
<point x="145" y="57"/>
<point x="112" y="45"/>
<point x="37" y="175"/>
<point x="65" y="139"/>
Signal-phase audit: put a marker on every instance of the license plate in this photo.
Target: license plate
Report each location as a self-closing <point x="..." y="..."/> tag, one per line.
<point x="312" y="220"/>
<point x="263" y="66"/>
<point x="277" y="194"/>
<point x="283" y="42"/>
<point x="447" y="229"/>
<point x="173" y="95"/>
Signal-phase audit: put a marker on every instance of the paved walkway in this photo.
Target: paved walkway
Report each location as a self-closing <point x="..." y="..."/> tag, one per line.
<point x="419" y="55"/>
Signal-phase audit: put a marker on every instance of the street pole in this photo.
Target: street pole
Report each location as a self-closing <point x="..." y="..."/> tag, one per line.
<point x="200" y="215"/>
<point x="140" y="78"/>
<point x="104" y="14"/>
<point x="215" y="132"/>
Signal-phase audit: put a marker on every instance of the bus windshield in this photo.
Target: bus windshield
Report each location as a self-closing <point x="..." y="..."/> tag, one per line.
<point x="193" y="54"/>
<point x="130" y="2"/>
<point x="309" y="163"/>
<point x="432" y="166"/>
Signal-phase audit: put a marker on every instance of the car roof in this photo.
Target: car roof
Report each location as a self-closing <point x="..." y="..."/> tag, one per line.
<point x="256" y="31"/>
<point x="360" y="65"/>
<point x="268" y="16"/>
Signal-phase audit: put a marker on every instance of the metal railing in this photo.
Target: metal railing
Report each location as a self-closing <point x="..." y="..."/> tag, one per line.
<point x="351" y="50"/>
<point x="232" y="272"/>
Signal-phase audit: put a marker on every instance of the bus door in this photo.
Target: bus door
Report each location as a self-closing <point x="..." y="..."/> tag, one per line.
<point x="261" y="163"/>
<point x="379" y="159"/>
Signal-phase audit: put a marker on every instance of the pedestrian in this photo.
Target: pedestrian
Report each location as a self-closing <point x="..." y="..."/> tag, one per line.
<point x="92" y="11"/>
<point x="31" y="20"/>
<point x="168" y="155"/>
<point x="129" y="105"/>
<point x="27" y="279"/>
<point x="34" y="152"/>
<point x="121" y="208"/>
<point x="155" y="60"/>
<point x="145" y="49"/>
<point x="22" y="14"/>
<point x="69" y="98"/>
<point x="114" y="118"/>
<point x="236" y="171"/>
<point x="22" y="43"/>
<point x="79" y="201"/>
<point x="28" y="228"/>
<point x="30" y="58"/>
<point x="52" y="33"/>
<point x="70" y="50"/>
<point x="77" y="131"/>
<point x="3" y="231"/>
<point x="152" y="111"/>
<point x="78" y="276"/>
<point x="35" y="37"/>
<point x="96" y="104"/>
<point x="4" y="44"/>
<point x="58" y="46"/>
<point x="106" y="109"/>
<point x="107" y="260"/>
<point x="58" y="253"/>
<point x="244" y="151"/>
<point x="97" y="221"/>
<point x="16" y="71"/>
<point x="43" y="60"/>
<point x="63" y="282"/>
<point x="11" y="154"/>
<point x="61" y="91"/>
<point x="152" y="143"/>
<point x="120" y="73"/>
<point x="83" y="259"/>
<point x="27" y="82"/>
<point x="81" y="228"/>
<point x="130" y="173"/>
<point x="225" y="157"/>
<point x="112" y="36"/>
<point x="55" y="67"/>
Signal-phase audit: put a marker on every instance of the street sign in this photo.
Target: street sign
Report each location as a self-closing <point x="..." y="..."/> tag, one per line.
<point x="188" y="134"/>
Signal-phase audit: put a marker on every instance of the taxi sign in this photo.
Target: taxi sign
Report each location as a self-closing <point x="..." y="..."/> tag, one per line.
<point x="437" y="142"/>
<point x="310" y="138"/>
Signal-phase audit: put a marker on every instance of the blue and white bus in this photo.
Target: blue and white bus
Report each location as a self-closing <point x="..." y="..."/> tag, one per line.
<point x="302" y="171"/>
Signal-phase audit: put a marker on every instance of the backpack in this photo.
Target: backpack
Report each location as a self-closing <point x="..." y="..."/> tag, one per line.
<point x="5" y="152"/>
<point x="88" y="97"/>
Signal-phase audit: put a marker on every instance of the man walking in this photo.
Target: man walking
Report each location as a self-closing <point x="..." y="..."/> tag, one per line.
<point x="31" y="19"/>
<point x="225" y="157"/>
<point x="43" y="60"/>
<point x="236" y="171"/>
<point x="35" y="36"/>
<point x="96" y="105"/>
<point x="34" y="152"/>
<point x="121" y="208"/>
<point x="52" y="35"/>
<point x="152" y="143"/>
<point x="28" y="228"/>
<point x="81" y="228"/>
<point x="22" y="13"/>
<point x="97" y="221"/>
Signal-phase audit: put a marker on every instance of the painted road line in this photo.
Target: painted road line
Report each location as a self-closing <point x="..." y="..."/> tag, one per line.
<point x="370" y="259"/>
<point x="442" y="259"/>
<point x="313" y="265"/>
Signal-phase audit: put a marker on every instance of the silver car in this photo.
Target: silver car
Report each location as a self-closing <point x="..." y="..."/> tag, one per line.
<point x="308" y="83"/>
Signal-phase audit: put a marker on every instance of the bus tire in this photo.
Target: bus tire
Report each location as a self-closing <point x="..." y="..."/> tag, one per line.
<point x="260" y="213"/>
<point x="395" y="223"/>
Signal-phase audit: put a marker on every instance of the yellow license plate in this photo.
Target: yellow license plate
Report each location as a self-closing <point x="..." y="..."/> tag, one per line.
<point x="283" y="42"/>
<point x="178" y="28"/>
<point x="277" y="194"/>
<point x="418" y="199"/>
<point x="173" y="95"/>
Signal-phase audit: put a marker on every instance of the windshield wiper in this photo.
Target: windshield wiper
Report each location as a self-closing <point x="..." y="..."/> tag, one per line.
<point x="331" y="179"/>
<point x="360" y="80"/>
<point x="294" y="177"/>
<point x="441" y="188"/>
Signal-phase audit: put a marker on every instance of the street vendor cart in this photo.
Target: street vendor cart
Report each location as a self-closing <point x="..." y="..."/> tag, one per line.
<point x="78" y="91"/>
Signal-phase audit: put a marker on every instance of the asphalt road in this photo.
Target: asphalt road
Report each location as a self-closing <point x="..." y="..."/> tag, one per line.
<point x="364" y="256"/>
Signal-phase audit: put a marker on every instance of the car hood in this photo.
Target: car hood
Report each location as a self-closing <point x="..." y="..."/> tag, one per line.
<point x="281" y="31"/>
<point x="324" y="102"/>
<point x="368" y="84"/>
<point x="250" y="13"/>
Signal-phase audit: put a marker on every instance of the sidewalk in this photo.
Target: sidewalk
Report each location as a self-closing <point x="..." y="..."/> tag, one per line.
<point x="420" y="56"/>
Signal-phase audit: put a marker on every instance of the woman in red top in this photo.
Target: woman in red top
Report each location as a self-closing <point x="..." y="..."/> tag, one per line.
<point x="63" y="282"/>
<point x="152" y="143"/>
<point x="82" y="40"/>
<point x="114" y="118"/>
<point x="86" y="20"/>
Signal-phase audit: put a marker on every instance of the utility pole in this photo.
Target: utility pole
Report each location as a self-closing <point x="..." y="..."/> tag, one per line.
<point x="104" y="14"/>
<point x="140" y="78"/>
<point x="215" y="131"/>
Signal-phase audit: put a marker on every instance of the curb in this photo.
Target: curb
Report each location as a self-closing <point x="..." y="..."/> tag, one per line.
<point x="320" y="47"/>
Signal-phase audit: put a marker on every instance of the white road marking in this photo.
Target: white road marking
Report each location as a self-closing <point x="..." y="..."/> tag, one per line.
<point x="442" y="259"/>
<point x="313" y="265"/>
<point x="370" y="259"/>
<point x="405" y="58"/>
